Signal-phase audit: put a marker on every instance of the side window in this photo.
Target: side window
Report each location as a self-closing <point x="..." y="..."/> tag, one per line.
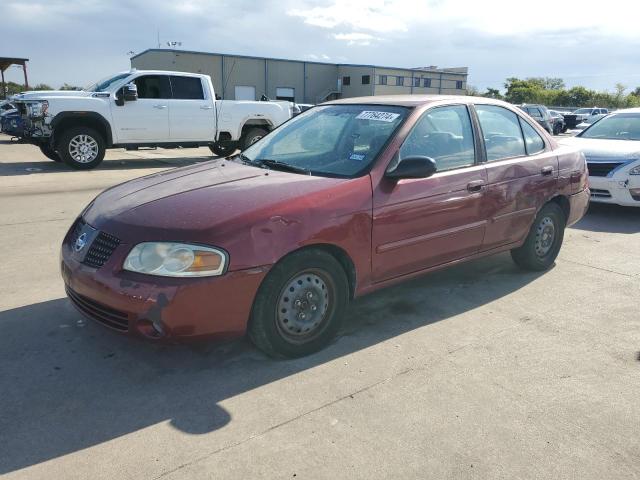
<point x="153" y="86"/>
<point x="444" y="134"/>
<point x="501" y="132"/>
<point x="532" y="140"/>
<point x="187" y="88"/>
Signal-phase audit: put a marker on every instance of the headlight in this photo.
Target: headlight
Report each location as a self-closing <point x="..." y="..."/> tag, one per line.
<point x="168" y="259"/>
<point x="635" y="170"/>
<point x="38" y="109"/>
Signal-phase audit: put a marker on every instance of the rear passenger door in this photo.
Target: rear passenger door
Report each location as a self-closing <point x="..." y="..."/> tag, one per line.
<point x="522" y="173"/>
<point x="191" y="110"/>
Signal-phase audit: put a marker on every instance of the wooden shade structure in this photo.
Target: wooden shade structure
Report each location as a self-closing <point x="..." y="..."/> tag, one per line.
<point x="6" y="62"/>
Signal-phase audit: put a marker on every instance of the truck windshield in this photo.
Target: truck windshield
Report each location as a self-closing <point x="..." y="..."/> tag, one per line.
<point x="332" y="140"/>
<point x="620" y="126"/>
<point x="105" y="83"/>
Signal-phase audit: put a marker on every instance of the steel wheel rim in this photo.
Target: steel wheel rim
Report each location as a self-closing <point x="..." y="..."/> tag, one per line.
<point x="545" y="236"/>
<point x="255" y="139"/>
<point x="304" y="305"/>
<point x="83" y="148"/>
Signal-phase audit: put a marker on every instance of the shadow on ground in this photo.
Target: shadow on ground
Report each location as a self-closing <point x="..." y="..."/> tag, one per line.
<point x="603" y="217"/>
<point x="30" y="168"/>
<point x="68" y="384"/>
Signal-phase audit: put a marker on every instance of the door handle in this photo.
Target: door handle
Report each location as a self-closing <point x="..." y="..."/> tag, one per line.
<point x="548" y="170"/>
<point x="160" y="107"/>
<point x="206" y="107"/>
<point x="475" y="186"/>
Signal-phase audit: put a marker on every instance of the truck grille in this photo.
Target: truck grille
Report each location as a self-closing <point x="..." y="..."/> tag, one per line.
<point x="602" y="169"/>
<point x="108" y="316"/>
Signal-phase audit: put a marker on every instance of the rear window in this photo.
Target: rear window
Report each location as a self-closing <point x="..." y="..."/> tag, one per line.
<point x="187" y="88"/>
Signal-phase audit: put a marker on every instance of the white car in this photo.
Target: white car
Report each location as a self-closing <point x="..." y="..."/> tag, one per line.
<point x="143" y="108"/>
<point x="612" y="149"/>
<point x="589" y="121"/>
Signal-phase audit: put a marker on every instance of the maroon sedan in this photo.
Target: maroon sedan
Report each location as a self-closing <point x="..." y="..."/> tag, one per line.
<point x="346" y="198"/>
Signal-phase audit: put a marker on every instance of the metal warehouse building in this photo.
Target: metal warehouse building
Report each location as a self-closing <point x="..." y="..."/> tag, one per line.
<point x="238" y="77"/>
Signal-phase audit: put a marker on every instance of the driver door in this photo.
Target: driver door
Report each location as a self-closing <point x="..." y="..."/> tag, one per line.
<point x="145" y="120"/>
<point x="425" y="222"/>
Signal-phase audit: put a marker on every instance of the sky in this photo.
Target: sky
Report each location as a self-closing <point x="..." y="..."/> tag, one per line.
<point x="590" y="43"/>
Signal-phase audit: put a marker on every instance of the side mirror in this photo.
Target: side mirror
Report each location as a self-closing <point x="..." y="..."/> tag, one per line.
<point x="412" y="167"/>
<point x="130" y="91"/>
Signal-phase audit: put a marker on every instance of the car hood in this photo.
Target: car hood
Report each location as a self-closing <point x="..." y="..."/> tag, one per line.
<point x="190" y="203"/>
<point x="601" y="150"/>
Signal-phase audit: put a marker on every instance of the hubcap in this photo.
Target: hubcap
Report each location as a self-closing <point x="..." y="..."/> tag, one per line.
<point x="83" y="148"/>
<point x="303" y="306"/>
<point x="545" y="235"/>
<point x="255" y="139"/>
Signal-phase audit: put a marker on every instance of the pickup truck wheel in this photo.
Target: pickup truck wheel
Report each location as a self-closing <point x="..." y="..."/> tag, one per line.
<point x="544" y="240"/>
<point x="222" y="150"/>
<point x="81" y="148"/>
<point x="252" y="136"/>
<point x="48" y="152"/>
<point x="300" y="304"/>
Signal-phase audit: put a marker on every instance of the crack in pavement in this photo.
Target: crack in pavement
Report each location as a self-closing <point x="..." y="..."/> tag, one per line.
<point x="629" y="275"/>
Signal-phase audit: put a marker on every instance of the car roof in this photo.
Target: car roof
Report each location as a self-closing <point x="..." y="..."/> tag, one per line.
<point x="412" y="100"/>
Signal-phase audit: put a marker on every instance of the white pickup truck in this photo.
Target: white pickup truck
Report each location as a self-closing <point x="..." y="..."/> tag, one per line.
<point x="143" y="108"/>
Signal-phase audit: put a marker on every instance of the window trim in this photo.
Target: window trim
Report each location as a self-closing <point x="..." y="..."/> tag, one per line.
<point x="520" y="119"/>
<point x="544" y="142"/>
<point x="477" y="159"/>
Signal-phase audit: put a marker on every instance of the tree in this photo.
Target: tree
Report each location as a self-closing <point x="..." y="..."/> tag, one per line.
<point x="547" y="83"/>
<point x="473" y="91"/>
<point x="493" y="93"/>
<point x="66" y="86"/>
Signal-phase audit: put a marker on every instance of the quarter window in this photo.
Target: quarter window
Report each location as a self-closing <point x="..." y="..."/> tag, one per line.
<point x="153" y="86"/>
<point x="444" y="134"/>
<point x="187" y="88"/>
<point x="501" y="132"/>
<point x="532" y="140"/>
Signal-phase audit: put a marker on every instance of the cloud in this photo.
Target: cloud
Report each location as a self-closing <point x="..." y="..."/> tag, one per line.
<point x="355" y="38"/>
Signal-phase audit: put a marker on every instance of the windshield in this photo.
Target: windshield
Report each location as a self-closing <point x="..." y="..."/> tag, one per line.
<point x="582" y="111"/>
<point x="333" y="140"/>
<point x="620" y="126"/>
<point x="105" y="83"/>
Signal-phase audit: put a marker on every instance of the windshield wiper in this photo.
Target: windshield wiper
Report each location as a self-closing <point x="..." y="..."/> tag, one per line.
<point x="277" y="165"/>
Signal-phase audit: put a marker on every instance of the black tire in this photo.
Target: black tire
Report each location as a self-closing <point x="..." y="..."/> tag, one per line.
<point x="271" y="327"/>
<point x="68" y="142"/>
<point x="251" y="136"/>
<point x="48" y="152"/>
<point x="539" y="252"/>
<point x="222" y="150"/>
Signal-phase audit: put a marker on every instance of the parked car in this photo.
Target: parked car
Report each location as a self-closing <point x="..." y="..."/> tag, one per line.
<point x="6" y="106"/>
<point x="558" y="122"/>
<point x="344" y="199"/>
<point x="12" y="124"/>
<point x="540" y="114"/>
<point x="612" y="149"/>
<point x="572" y="120"/>
<point x="589" y="121"/>
<point x="143" y="108"/>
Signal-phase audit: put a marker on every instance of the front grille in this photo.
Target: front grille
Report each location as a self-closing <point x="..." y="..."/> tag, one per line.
<point x="106" y="315"/>
<point x="101" y="250"/>
<point x="602" y="169"/>
<point x="599" y="193"/>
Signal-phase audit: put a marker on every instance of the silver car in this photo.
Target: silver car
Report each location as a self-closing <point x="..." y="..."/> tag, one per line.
<point x="612" y="148"/>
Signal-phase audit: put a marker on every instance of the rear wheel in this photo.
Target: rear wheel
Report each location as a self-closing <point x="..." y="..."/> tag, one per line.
<point x="300" y="304"/>
<point x="82" y="148"/>
<point x="544" y="240"/>
<point x="252" y="136"/>
<point x="48" y="152"/>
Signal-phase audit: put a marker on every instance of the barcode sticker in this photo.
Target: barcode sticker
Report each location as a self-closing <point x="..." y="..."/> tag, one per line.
<point x="380" y="116"/>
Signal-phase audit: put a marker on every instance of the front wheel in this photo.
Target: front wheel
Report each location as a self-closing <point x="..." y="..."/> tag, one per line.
<point x="222" y="150"/>
<point x="50" y="153"/>
<point x="300" y="304"/>
<point x="82" y="148"/>
<point x="544" y="240"/>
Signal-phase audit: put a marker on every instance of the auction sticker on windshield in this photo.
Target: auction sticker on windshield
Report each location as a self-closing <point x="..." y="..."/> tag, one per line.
<point x="380" y="116"/>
